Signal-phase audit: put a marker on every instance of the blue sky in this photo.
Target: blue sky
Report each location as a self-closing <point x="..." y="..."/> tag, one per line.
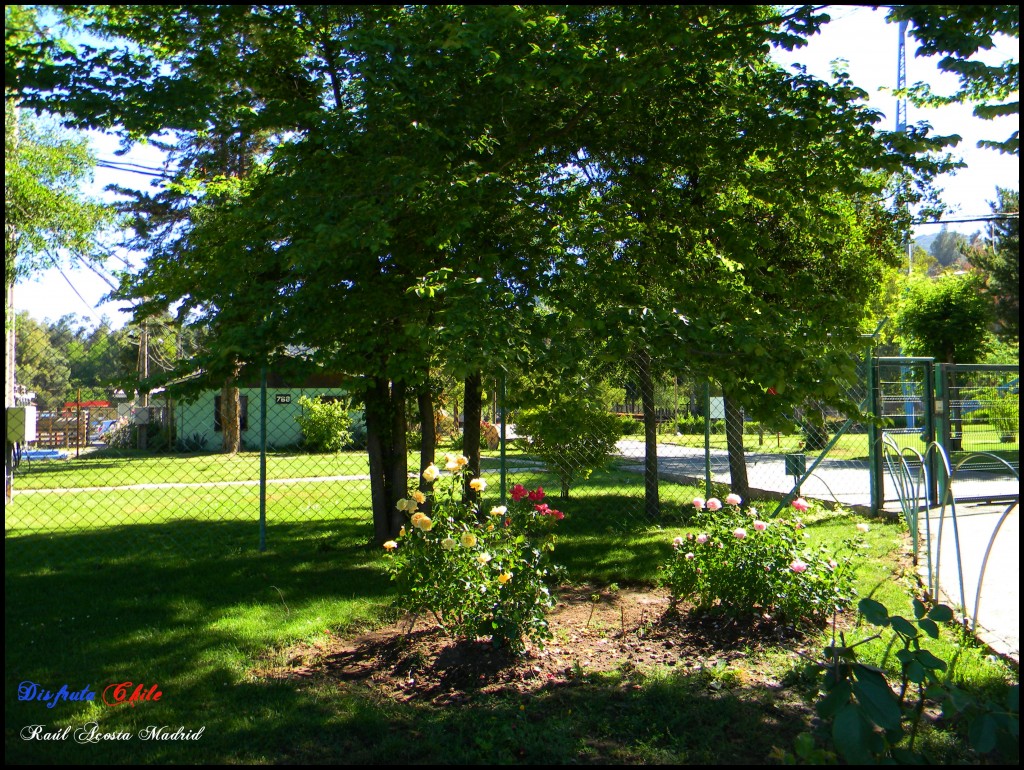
<point x="857" y="34"/>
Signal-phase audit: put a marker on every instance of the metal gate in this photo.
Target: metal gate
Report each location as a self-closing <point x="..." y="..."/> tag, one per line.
<point x="971" y="411"/>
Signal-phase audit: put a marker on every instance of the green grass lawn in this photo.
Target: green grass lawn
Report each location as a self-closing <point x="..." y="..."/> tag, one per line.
<point x="186" y="602"/>
<point x="120" y="467"/>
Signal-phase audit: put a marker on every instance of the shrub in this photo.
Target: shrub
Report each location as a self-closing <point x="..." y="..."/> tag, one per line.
<point x="478" y="574"/>
<point x="357" y="430"/>
<point x="816" y="435"/>
<point x="325" y="424"/>
<point x="692" y="425"/>
<point x="573" y="438"/>
<point x="740" y="564"/>
<point x="1004" y="413"/>
<point x="630" y="426"/>
<point x="197" y="442"/>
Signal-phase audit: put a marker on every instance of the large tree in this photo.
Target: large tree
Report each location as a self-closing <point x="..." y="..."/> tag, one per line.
<point x="959" y="33"/>
<point x="998" y="258"/>
<point x="426" y="146"/>
<point x="946" y="319"/>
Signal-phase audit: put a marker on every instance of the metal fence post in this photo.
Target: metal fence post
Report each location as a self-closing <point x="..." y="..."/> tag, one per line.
<point x="707" y="439"/>
<point x="874" y="438"/>
<point x="263" y="458"/>
<point x="501" y="437"/>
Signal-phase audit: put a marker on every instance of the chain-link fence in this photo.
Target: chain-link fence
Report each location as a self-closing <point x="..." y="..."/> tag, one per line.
<point x="187" y="473"/>
<point x="616" y="466"/>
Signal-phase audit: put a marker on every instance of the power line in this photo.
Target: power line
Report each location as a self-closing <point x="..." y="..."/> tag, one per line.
<point x="971" y="218"/>
<point x="73" y="288"/>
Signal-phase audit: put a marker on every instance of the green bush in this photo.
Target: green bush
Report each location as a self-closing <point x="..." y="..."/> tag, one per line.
<point x="477" y="575"/>
<point x="630" y="426"/>
<point x="816" y="435"/>
<point x="1004" y="412"/>
<point x="740" y="565"/>
<point x="357" y="430"/>
<point x="573" y="438"/>
<point x="325" y="424"/>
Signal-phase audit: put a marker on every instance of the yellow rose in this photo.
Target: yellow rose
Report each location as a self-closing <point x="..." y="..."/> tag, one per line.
<point x="478" y="484"/>
<point x="401" y="532"/>
<point x="484" y="557"/>
<point x="431" y="473"/>
<point x="390" y="545"/>
<point x="447" y="544"/>
<point x="416" y="519"/>
<point x="400" y="505"/>
<point x="504" y="577"/>
<point x="426" y="524"/>
<point x="462" y="461"/>
<point x="468" y="539"/>
<point x="419" y="497"/>
<point x="499" y="510"/>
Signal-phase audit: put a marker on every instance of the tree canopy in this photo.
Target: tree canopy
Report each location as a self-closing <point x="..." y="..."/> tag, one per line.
<point x="644" y="170"/>
<point x="946" y="319"/>
<point x="958" y="33"/>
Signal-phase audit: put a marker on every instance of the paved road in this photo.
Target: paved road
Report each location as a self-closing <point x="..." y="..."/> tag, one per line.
<point x="978" y="525"/>
<point x="842" y="481"/>
<point x="979" y="528"/>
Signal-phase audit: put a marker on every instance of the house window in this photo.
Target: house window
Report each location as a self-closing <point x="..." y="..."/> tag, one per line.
<point x="243" y="415"/>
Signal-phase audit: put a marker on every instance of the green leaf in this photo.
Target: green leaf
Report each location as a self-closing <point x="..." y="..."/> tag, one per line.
<point x="915" y="672"/>
<point x="874" y="612"/>
<point x="940" y="613"/>
<point x="836" y="698"/>
<point x="982" y="734"/>
<point x="929" y="627"/>
<point x="919" y="609"/>
<point x="851" y="733"/>
<point x="879" y="703"/>
<point x="930" y="661"/>
<point x="903" y="626"/>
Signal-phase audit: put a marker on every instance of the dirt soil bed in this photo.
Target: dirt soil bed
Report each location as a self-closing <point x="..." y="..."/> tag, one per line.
<point x="595" y="630"/>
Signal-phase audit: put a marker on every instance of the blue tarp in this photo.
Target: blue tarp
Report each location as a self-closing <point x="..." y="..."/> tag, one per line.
<point x="43" y="454"/>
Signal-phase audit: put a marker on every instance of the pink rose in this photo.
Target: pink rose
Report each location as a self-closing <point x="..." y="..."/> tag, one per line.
<point x="801" y="505"/>
<point x="739" y="533"/>
<point x="702" y="538"/>
<point x="677" y="542"/>
<point x="698" y="503"/>
<point x="734" y="499"/>
<point x="518" y="492"/>
<point x="714" y="504"/>
<point x="689" y="556"/>
<point x="797" y="566"/>
<point x="760" y="526"/>
<point x="537" y="495"/>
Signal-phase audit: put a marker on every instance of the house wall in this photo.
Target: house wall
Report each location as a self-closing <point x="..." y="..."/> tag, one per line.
<point x="282" y="424"/>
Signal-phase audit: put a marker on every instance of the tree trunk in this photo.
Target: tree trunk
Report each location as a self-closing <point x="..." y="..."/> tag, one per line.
<point x="230" y="411"/>
<point x="652" y="505"/>
<point x="398" y="476"/>
<point x="737" y="452"/>
<point x="386" y="448"/>
<point x="473" y="405"/>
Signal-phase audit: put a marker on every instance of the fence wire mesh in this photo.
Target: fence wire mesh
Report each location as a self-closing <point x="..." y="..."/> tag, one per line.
<point x="824" y="454"/>
<point x="162" y="472"/>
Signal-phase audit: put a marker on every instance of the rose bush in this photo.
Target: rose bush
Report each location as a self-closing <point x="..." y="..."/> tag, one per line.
<point x="479" y="571"/>
<point x="740" y="564"/>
